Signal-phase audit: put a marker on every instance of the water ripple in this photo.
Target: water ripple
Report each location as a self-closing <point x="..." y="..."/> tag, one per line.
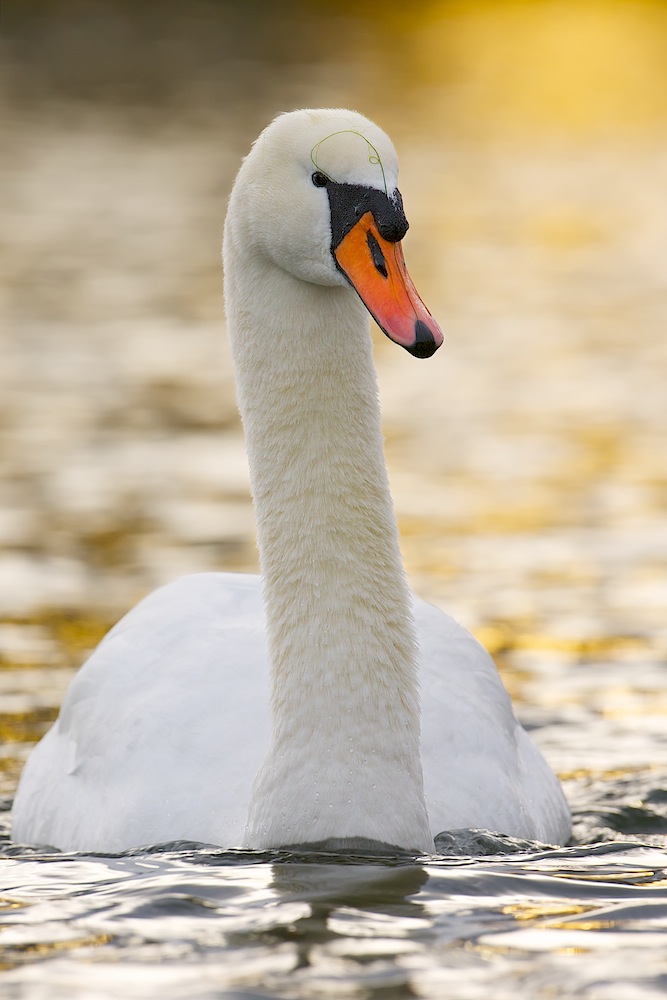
<point x="191" y="920"/>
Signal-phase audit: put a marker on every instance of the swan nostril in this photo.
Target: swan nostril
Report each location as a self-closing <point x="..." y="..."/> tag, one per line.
<point x="377" y="255"/>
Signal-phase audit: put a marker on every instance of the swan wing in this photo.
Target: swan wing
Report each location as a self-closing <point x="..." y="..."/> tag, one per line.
<point x="162" y="731"/>
<point x="481" y="769"/>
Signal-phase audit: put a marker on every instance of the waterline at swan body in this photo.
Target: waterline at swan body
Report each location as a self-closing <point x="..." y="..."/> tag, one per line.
<point x="324" y="704"/>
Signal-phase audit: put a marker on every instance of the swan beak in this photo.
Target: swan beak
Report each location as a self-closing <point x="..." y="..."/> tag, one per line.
<point x="376" y="270"/>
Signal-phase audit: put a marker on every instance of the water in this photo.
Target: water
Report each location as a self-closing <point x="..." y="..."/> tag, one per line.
<point x="526" y="460"/>
<point x="188" y="921"/>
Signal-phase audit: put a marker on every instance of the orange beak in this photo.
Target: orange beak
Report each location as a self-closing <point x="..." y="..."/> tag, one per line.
<point x="376" y="270"/>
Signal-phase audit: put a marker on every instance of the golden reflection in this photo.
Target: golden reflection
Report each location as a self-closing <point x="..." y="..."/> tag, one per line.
<point x="49" y="949"/>
<point x="12" y="904"/>
<point x="75" y="633"/>
<point x="658" y="883"/>
<point x="10" y="771"/>
<point x="487" y="68"/>
<point x="26" y="727"/>
<point x="656" y="705"/>
<point x="53" y="637"/>
<point x="607" y="773"/>
<point x="584" y="925"/>
<point x="534" y="911"/>
<point x="564" y="228"/>
<point x="582" y="65"/>
<point x="624" y="877"/>
<point x="489" y="951"/>
<point x="501" y="637"/>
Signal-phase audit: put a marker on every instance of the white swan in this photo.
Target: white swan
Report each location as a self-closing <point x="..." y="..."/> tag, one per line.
<point x="169" y="730"/>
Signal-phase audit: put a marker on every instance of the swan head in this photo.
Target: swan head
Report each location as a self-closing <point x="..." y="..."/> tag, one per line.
<point x="318" y="196"/>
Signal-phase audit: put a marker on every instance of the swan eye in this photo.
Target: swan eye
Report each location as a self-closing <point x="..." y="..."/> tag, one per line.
<point x="319" y="179"/>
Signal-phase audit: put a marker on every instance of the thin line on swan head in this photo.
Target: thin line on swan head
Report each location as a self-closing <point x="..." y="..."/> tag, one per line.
<point x="373" y="156"/>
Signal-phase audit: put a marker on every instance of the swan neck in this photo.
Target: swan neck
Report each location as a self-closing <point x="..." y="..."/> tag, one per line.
<point x="339" y="619"/>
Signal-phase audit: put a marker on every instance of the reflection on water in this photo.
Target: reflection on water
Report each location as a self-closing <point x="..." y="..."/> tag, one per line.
<point x="527" y="459"/>
<point x="195" y="921"/>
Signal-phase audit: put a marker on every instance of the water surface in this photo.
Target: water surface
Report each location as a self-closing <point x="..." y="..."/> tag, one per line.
<point x="527" y="462"/>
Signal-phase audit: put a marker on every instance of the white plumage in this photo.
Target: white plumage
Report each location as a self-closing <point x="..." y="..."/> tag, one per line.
<point x="288" y="712"/>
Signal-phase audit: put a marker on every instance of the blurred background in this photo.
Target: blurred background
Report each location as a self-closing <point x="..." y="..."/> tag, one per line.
<point x="527" y="459"/>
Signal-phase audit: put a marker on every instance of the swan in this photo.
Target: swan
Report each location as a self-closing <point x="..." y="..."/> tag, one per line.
<point x="283" y="711"/>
